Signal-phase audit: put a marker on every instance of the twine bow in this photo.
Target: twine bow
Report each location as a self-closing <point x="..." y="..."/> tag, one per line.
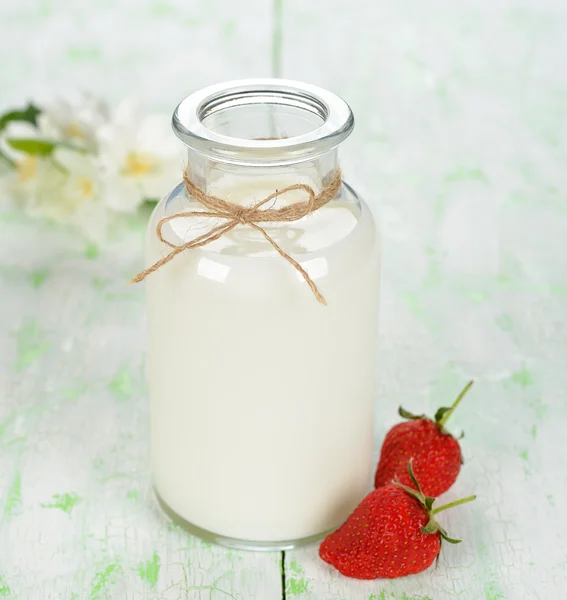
<point x="235" y="214"/>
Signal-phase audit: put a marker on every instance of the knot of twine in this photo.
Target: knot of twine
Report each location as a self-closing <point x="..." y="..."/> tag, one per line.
<point x="235" y="214"/>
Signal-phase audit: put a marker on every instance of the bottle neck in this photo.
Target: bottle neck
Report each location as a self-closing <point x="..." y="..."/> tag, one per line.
<point x="220" y="178"/>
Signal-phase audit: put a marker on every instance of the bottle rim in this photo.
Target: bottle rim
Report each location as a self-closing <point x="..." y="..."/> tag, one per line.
<point x="334" y="115"/>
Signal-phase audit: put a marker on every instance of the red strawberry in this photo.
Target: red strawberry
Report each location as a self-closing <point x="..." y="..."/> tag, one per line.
<point x="391" y="533"/>
<point x="436" y="454"/>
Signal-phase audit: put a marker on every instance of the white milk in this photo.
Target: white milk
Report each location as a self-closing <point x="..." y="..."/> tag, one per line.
<point x="261" y="398"/>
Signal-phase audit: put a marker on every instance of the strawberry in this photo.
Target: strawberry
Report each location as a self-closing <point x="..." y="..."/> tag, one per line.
<point x="436" y="454"/>
<point x="391" y="533"/>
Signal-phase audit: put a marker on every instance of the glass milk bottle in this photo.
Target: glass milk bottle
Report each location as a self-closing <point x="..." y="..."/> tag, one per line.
<point x="261" y="396"/>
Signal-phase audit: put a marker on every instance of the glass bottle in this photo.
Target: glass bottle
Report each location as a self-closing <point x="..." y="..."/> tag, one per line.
<point x="261" y="398"/>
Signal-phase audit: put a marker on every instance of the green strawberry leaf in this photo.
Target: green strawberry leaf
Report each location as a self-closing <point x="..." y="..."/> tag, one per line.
<point x="419" y="497"/>
<point x="431" y="527"/>
<point x="441" y="413"/>
<point x="409" y="416"/>
<point x="445" y="537"/>
<point x="414" y="480"/>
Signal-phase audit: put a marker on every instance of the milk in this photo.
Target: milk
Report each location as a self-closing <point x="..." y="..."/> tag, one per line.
<point x="261" y="399"/>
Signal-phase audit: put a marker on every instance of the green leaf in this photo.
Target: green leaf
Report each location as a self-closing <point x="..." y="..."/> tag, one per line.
<point x="407" y="415"/>
<point x="32" y="146"/>
<point x="431" y="527"/>
<point x="419" y="497"/>
<point x="429" y="501"/>
<point x="441" y="412"/>
<point x="447" y="538"/>
<point x="29" y="115"/>
<point x="413" y="479"/>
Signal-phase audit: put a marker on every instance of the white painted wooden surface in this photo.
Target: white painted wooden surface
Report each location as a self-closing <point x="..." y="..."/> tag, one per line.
<point x="461" y="139"/>
<point x="461" y="144"/>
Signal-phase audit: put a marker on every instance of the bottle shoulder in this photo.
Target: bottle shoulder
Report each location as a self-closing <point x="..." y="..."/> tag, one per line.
<point x="343" y="222"/>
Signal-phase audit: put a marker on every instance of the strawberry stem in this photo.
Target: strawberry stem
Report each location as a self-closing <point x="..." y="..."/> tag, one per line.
<point x="432" y="526"/>
<point x="446" y="413"/>
<point x="452" y="504"/>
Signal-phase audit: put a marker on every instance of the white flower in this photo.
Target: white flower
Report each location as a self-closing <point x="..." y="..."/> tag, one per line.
<point x="80" y="165"/>
<point x="32" y="177"/>
<point x="34" y="181"/>
<point x="80" y="202"/>
<point x="139" y="156"/>
<point x="63" y="187"/>
<point x="75" y="119"/>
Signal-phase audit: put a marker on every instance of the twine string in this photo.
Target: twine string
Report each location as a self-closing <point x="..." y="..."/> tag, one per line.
<point x="235" y="214"/>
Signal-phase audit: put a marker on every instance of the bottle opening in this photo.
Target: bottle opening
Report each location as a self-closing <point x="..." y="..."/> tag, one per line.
<point x="257" y="115"/>
<point x="261" y="121"/>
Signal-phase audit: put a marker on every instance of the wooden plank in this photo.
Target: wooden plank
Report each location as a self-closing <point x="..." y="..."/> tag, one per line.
<point x="78" y="518"/>
<point x="460" y="145"/>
